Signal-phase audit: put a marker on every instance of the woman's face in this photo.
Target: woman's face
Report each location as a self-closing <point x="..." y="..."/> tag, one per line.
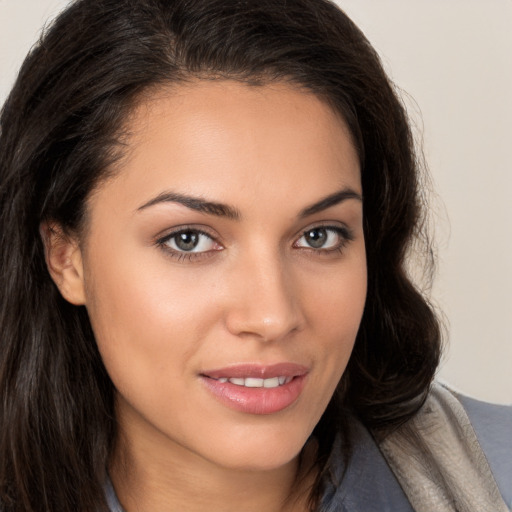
<point x="224" y="271"/>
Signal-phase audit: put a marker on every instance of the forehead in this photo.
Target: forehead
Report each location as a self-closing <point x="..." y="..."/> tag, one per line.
<point x="215" y="138"/>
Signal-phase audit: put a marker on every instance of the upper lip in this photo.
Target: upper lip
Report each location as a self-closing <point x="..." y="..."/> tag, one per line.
<point x="251" y="370"/>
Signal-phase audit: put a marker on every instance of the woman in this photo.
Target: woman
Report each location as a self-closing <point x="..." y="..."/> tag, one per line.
<point x="197" y="311"/>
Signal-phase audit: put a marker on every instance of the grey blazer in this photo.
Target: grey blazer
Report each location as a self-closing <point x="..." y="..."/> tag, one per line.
<point x="369" y="484"/>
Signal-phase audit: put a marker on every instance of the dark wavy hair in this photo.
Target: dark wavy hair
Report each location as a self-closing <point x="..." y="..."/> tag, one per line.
<point x="61" y="131"/>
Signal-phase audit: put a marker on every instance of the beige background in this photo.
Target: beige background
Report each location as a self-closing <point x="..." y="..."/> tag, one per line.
<point x="454" y="59"/>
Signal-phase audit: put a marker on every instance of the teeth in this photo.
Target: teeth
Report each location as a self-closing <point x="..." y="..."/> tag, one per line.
<point x="251" y="382"/>
<point x="271" y="383"/>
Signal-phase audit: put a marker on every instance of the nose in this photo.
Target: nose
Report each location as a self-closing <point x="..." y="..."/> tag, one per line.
<point x="264" y="300"/>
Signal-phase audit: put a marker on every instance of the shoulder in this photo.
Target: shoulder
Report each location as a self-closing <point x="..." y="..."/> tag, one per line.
<point x="493" y="428"/>
<point x="445" y="423"/>
<point x="454" y="450"/>
<point x="467" y="442"/>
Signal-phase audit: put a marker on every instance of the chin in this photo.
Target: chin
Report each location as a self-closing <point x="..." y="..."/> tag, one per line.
<point x="259" y="451"/>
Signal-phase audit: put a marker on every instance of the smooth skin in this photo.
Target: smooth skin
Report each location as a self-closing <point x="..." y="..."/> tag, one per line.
<point x="269" y="273"/>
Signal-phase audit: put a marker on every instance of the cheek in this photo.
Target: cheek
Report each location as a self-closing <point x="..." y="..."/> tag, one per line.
<point x="335" y="306"/>
<point x="138" y="293"/>
<point x="144" y="320"/>
<point x="339" y="313"/>
<point x="336" y="298"/>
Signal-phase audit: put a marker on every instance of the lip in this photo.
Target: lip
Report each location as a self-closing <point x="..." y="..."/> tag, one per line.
<point x="256" y="400"/>
<point x="257" y="371"/>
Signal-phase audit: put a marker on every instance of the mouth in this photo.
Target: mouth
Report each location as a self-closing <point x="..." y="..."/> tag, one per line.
<point x="252" y="382"/>
<point x="257" y="389"/>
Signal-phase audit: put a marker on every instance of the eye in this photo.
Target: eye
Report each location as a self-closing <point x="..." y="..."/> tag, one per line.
<point x="324" y="238"/>
<point x="189" y="241"/>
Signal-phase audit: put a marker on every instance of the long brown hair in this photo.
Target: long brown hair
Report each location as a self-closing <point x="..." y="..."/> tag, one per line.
<point x="61" y="129"/>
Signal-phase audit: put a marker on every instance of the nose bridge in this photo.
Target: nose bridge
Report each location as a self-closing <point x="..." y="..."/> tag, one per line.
<point x="264" y="303"/>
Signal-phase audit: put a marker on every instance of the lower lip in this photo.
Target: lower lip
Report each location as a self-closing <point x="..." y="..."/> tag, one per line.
<point x="256" y="400"/>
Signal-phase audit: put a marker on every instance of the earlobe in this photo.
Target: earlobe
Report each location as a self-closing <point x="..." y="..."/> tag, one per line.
<point x="64" y="262"/>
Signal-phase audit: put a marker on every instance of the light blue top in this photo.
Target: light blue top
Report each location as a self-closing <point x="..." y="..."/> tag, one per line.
<point x="369" y="484"/>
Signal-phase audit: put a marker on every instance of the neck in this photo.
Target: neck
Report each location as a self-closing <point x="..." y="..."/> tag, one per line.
<point x="148" y="478"/>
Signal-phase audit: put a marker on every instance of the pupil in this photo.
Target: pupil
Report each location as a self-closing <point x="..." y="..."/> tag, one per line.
<point x="187" y="240"/>
<point x="316" y="237"/>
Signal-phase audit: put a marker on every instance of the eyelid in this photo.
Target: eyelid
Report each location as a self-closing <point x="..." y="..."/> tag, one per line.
<point x="162" y="239"/>
<point x="340" y="227"/>
<point x="343" y="231"/>
<point x="198" y="228"/>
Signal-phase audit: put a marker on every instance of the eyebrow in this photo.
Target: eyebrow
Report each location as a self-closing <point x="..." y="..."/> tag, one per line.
<point x="195" y="203"/>
<point x="330" y="200"/>
<point x="230" y="212"/>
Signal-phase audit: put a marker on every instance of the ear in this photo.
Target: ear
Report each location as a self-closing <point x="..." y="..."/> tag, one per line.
<point x="64" y="262"/>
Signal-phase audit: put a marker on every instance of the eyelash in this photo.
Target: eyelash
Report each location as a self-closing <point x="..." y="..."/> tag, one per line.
<point x="164" y="241"/>
<point x="345" y="237"/>
<point x="344" y="234"/>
